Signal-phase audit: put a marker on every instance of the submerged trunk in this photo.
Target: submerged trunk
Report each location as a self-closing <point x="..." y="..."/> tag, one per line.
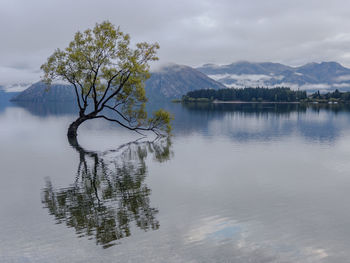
<point x="73" y="127"/>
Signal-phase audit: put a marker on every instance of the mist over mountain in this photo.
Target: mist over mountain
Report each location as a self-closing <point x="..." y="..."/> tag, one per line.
<point x="310" y="77"/>
<point x="169" y="82"/>
<point x="173" y="81"/>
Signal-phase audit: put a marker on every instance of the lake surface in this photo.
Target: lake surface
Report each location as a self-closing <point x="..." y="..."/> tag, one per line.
<point x="235" y="183"/>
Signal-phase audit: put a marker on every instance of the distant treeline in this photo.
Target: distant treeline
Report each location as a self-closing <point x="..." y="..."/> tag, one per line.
<point x="335" y="96"/>
<point x="259" y="94"/>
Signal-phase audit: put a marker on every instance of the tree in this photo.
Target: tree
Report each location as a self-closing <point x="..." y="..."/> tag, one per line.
<point x="108" y="75"/>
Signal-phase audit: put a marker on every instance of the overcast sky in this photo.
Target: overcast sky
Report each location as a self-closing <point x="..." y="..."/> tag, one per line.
<point x="190" y="32"/>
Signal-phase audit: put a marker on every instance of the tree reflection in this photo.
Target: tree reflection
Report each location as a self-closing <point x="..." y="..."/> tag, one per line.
<point x="109" y="192"/>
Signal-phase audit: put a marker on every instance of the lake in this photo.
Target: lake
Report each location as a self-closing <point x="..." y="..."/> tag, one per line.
<point x="235" y="183"/>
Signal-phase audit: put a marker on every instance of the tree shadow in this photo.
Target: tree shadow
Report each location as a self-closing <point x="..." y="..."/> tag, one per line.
<point x="109" y="193"/>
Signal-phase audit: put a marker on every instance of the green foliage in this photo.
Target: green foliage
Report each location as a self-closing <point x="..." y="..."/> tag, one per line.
<point x="161" y="118"/>
<point x="106" y="72"/>
<point x="279" y="94"/>
<point x="332" y="97"/>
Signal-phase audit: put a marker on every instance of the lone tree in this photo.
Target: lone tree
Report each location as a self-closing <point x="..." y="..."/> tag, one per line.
<point x="108" y="75"/>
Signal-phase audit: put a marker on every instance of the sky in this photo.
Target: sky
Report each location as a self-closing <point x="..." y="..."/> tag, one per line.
<point x="190" y="32"/>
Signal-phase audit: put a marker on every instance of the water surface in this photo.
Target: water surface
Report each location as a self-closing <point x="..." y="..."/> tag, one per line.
<point x="235" y="183"/>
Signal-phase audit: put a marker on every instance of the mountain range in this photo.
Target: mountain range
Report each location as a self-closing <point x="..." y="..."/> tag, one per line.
<point x="310" y="77"/>
<point x="173" y="81"/>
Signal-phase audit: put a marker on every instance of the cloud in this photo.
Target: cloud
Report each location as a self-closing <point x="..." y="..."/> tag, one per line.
<point x="189" y="32"/>
<point x="343" y="78"/>
<point x="341" y="85"/>
<point x="13" y="78"/>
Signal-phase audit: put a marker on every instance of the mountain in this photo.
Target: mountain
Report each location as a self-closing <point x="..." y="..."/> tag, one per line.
<point x="6" y="96"/>
<point x="173" y="81"/>
<point x="39" y="92"/>
<point x="311" y="77"/>
<point x="169" y="82"/>
<point x="16" y="87"/>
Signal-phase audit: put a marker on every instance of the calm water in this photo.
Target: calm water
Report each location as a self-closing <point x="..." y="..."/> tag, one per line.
<point x="235" y="183"/>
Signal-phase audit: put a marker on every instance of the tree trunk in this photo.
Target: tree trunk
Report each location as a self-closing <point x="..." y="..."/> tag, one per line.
<point x="73" y="127"/>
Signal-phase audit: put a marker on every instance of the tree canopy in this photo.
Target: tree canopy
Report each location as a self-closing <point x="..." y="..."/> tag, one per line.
<point x="109" y="75"/>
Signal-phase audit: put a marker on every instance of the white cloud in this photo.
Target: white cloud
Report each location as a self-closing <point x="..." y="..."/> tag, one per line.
<point x="243" y="77"/>
<point x="13" y="77"/>
<point x="343" y="78"/>
<point x="16" y="87"/>
<point x="315" y="86"/>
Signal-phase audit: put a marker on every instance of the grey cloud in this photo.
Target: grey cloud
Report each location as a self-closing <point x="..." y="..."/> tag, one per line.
<point x="189" y="32"/>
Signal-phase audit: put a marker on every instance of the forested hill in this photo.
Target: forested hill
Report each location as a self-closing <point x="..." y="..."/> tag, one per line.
<point x="279" y="94"/>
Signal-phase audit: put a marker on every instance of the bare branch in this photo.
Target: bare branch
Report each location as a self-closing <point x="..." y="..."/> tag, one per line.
<point x="108" y="86"/>
<point x="135" y="129"/>
<point x="119" y="113"/>
<point x="76" y="91"/>
<point x="121" y="85"/>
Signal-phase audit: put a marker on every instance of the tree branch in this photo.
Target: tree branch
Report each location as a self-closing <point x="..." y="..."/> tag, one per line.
<point x="94" y="86"/>
<point x="114" y="93"/>
<point x="136" y="129"/>
<point x="76" y="90"/>
<point x="108" y="86"/>
<point x="119" y="113"/>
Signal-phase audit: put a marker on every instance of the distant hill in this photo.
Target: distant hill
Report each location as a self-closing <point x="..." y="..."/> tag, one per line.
<point x="173" y="81"/>
<point x="311" y="77"/>
<point x="39" y="92"/>
<point x="6" y="96"/>
<point x="169" y="82"/>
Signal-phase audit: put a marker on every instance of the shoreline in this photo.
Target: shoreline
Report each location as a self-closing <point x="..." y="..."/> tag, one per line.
<point x="254" y="102"/>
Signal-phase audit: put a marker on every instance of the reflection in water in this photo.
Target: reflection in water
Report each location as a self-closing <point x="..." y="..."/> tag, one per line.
<point x="261" y="108"/>
<point x="240" y="122"/>
<point x="109" y="192"/>
<point x="48" y="108"/>
<point x="253" y="185"/>
<point x="267" y="121"/>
